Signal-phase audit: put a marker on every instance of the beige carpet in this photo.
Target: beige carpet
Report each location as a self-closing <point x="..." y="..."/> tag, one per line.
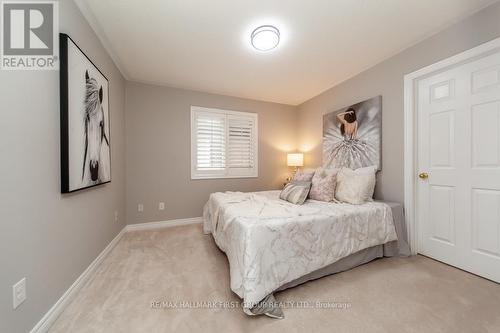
<point x="181" y="264"/>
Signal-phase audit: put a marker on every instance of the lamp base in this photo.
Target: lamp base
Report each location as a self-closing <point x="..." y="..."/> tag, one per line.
<point x="289" y="179"/>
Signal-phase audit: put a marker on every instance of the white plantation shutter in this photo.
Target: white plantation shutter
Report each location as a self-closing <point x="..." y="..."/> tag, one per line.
<point x="240" y="142"/>
<point x="224" y="143"/>
<point x="210" y="142"/>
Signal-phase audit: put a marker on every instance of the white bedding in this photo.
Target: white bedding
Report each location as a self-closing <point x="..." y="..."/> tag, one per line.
<point x="270" y="242"/>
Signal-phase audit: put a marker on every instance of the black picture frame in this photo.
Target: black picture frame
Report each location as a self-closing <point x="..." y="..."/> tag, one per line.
<point x="67" y="108"/>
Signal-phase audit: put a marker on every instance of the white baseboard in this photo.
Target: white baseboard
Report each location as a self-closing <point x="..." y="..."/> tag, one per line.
<point x="50" y="317"/>
<point x="163" y="224"/>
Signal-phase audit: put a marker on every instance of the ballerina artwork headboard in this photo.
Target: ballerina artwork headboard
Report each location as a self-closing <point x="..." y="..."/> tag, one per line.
<point x="352" y="136"/>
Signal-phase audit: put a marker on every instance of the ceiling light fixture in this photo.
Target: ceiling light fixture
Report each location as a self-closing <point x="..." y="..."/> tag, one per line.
<point x="265" y="38"/>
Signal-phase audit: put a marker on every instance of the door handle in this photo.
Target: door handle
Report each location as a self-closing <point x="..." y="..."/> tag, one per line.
<point x="423" y="175"/>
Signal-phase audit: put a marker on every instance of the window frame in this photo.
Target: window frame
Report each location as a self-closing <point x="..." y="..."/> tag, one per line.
<point x="227" y="172"/>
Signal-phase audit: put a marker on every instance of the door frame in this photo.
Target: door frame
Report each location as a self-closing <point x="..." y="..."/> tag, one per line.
<point x="410" y="129"/>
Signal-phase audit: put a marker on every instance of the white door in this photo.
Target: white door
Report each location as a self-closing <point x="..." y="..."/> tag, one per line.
<point x="458" y="204"/>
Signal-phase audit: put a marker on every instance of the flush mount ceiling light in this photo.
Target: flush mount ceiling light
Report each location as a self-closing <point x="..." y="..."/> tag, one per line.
<point x="265" y="38"/>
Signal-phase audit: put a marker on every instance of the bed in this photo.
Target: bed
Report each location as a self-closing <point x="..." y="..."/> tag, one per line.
<point x="272" y="244"/>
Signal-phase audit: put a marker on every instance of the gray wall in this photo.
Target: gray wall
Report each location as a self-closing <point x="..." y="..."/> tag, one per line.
<point x="158" y="150"/>
<point x="47" y="237"/>
<point x="386" y="79"/>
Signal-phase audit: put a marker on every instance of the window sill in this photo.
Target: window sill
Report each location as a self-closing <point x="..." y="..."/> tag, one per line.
<point x="222" y="177"/>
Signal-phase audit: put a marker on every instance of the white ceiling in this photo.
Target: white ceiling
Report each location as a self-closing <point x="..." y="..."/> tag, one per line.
<point x="204" y="44"/>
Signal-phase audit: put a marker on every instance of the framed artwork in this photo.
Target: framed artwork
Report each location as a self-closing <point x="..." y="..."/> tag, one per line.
<point x="352" y="136"/>
<point x="85" y="129"/>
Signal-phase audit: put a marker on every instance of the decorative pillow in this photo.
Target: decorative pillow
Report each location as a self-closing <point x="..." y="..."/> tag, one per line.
<point x="296" y="192"/>
<point x="323" y="185"/>
<point x="356" y="186"/>
<point x="305" y="175"/>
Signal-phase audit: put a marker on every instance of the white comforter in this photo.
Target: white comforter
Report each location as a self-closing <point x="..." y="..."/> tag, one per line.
<point x="270" y="242"/>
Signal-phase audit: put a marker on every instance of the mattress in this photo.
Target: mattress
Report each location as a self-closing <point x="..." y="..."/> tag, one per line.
<point x="271" y="243"/>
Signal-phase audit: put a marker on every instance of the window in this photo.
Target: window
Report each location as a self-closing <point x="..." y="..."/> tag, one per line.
<point x="223" y="144"/>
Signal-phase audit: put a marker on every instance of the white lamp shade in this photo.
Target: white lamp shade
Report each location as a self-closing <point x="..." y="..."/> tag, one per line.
<point x="295" y="160"/>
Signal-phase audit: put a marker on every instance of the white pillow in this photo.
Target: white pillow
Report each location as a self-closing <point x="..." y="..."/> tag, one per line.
<point x="356" y="186"/>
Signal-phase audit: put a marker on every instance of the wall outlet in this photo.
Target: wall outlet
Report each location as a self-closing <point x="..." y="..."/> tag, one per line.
<point x="116" y="216"/>
<point x="140" y="207"/>
<point x="161" y="206"/>
<point x="19" y="293"/>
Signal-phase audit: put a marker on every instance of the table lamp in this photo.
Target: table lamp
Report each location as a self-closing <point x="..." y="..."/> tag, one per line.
<point x="295" y="160"/>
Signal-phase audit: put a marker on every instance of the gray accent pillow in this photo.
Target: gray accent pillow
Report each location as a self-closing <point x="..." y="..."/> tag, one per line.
<point x="296" y="192"/>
